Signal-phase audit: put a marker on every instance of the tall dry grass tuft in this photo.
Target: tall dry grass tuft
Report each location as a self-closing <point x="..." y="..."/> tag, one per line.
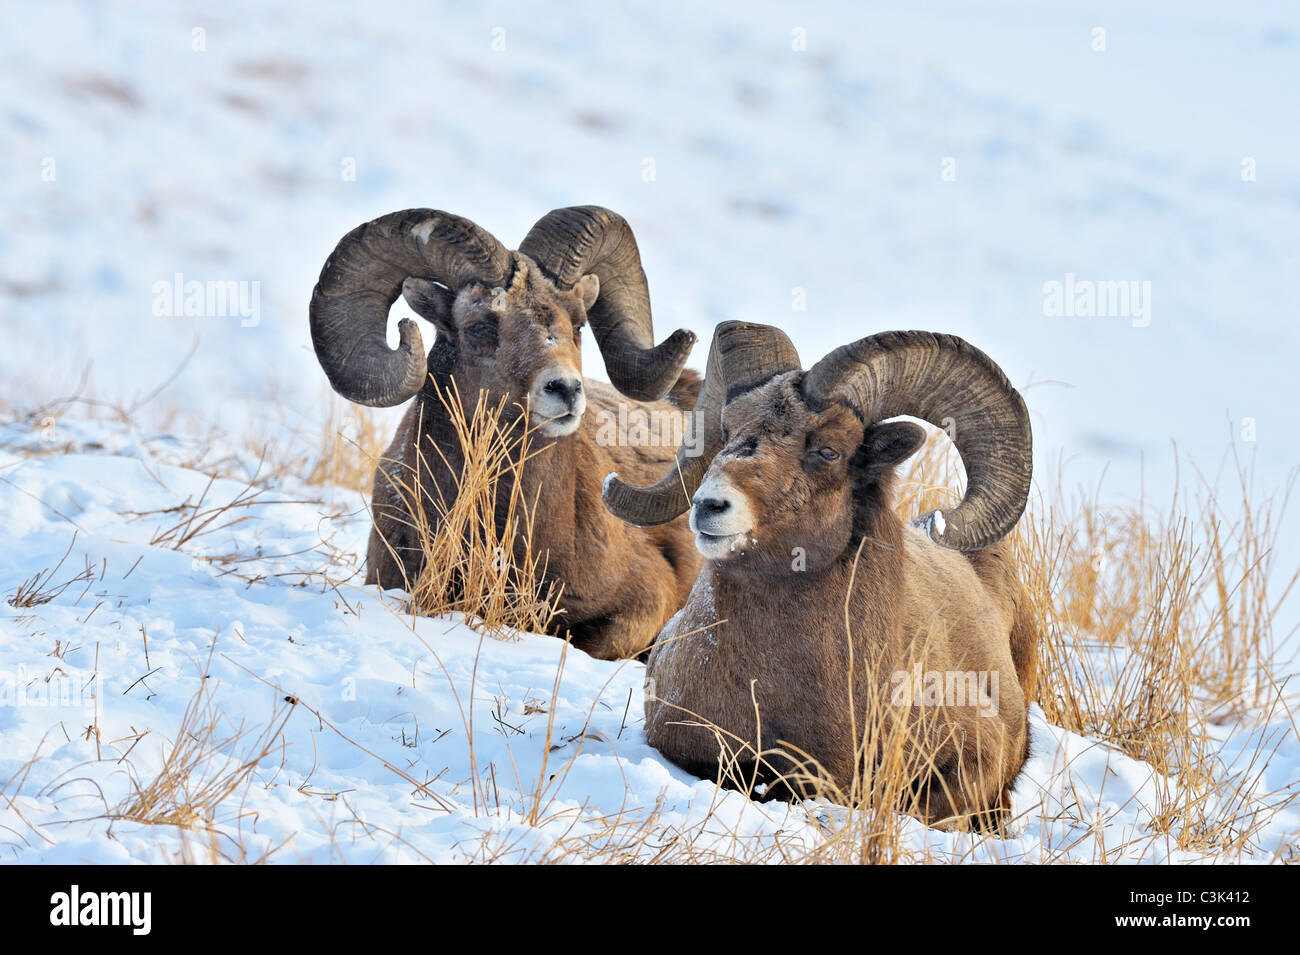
<point x="1235" y="664"/>
<point x="478" y="557"/>
<point x="208" y="763"/>
<point x="1132" y="601"/>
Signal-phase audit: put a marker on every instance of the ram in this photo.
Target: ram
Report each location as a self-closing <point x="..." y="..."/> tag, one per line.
<point x="815" y="594"/>
<point x="508" y="327"/>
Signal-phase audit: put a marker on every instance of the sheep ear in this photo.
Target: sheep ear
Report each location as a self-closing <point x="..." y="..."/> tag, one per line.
<point x="887" y="445"/>
<point x="432" y="302"/>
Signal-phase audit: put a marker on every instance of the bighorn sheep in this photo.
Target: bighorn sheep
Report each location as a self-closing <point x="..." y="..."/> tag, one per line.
<point x="790" y="505"/>
<point x="508" y="325"/>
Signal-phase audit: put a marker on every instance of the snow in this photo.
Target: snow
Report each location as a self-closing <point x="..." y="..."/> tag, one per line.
<point x="799" y="186"/>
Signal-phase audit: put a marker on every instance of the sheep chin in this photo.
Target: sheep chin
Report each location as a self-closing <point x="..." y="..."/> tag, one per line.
<point x="721" y="547"/>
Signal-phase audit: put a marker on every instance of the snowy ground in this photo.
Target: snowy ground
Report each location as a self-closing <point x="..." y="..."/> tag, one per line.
<point x="373" y="762"/>
<point x="785" y="163"/>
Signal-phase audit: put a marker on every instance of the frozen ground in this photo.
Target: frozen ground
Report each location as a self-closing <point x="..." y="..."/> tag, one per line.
<point x="768" y="155"/>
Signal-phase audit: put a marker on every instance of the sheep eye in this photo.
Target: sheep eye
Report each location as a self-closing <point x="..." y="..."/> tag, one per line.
<point x="748" y="448"/>
<point x="829" y="454"/>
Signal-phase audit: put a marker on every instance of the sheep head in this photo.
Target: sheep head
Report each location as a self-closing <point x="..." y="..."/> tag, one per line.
<point x="520" y="343"/>
<point x="789" y="481"/>
<point x="508" y="322"/>
<point x="790" y="458"/>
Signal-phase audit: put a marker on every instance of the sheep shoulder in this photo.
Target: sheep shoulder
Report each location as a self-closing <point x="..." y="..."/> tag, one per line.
<point x="954" y="602"/>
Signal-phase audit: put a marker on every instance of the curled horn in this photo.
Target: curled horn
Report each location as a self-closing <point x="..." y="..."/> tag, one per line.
<point x="742" y="356"/>
<point x="580" y="240"/>
<point x="363" y="277"/>
<point x="953" y="385"/>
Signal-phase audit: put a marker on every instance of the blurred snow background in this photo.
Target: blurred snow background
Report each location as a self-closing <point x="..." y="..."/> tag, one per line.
<point x="757" y="149"/>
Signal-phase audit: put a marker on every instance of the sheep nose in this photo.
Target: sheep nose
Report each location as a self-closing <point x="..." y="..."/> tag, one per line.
<point x="566" y="389"/>
<point x="709" y="506"/>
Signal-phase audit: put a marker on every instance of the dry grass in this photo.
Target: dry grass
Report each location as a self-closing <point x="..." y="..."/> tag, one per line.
<point x="351" y="441"/>
<point x="186" y="522"/>
<point x="478" y="558"/>
<point x="208" y="764"/>
<point x="1148" y="598"/>
<point x="41" y="587"/>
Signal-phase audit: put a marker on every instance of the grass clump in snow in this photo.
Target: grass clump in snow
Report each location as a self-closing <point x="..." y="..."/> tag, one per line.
<point x="477" y="552"/>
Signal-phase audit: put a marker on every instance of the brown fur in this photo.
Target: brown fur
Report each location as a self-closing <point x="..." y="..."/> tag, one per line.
<point x="620" y="583"/>
<point x="756" y="629"/>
